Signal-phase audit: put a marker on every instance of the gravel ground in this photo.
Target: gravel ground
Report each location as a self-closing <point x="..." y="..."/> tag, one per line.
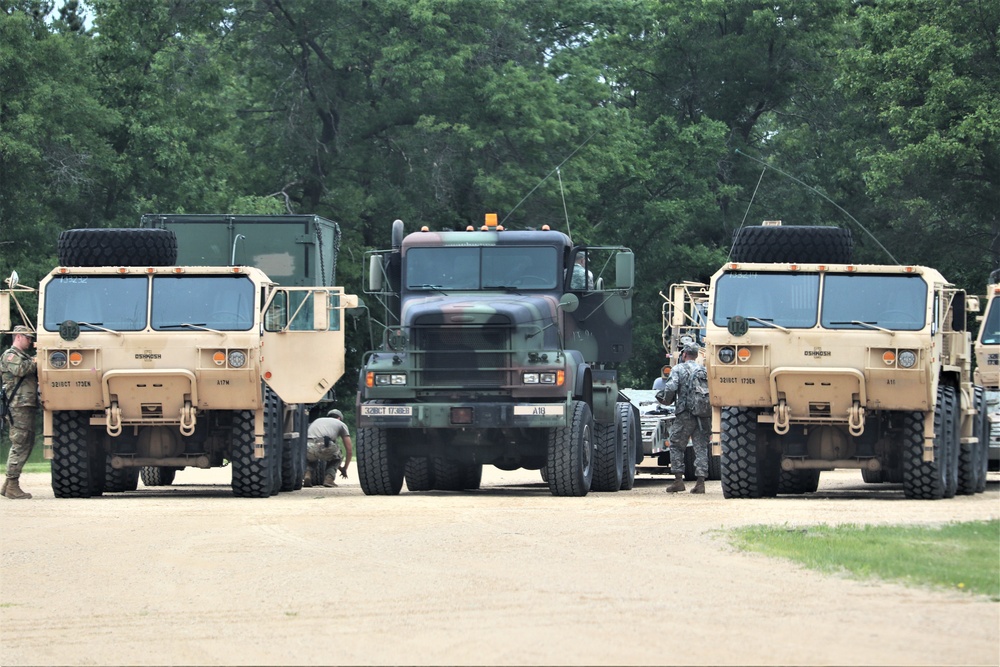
<point x="189" y="575"/>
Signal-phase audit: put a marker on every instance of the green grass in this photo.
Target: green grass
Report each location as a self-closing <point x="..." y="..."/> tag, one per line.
<point x="956" y="556"/>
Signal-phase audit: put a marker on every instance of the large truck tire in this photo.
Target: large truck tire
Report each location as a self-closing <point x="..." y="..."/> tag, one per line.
<point x="119" y="480"/>
<point x="379" y="470"/>
<point x="608" y="459"/>
<point x="971" y="464"/>
<point x="798" y="482"/>
<point x="805" y="244"/>
<point x="570" y="460"/>
<point x="252" y="477"/>
<point x="117" y="247"/>
<point x="472" y="476"/>
<point x="418" y="474"/>
<point x="158" y="475"/>
<point x="74" y="470"/>
<point x="746" y="469"/>
<point x="928" y="480"/>
<point x="449" y="475"/>
<point x="630" y="438"/>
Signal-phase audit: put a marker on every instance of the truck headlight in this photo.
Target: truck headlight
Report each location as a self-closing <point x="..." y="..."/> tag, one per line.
<point x="57" y="359"/>
<point x="237" y="358"/>
<point x="907" y="358"/>
<point x="390" y="379"/>
<point x="548" y="377"/>
<point x="727" y="355"/>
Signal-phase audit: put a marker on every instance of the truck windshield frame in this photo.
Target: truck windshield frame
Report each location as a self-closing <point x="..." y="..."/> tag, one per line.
<point x="891" y="301"/>
<point x="990" y="331"/>
<point x="113" y="302"/>
<point x="789" y="300"/>
<point x="222" y="302"/>
<point x="474" y="268"/>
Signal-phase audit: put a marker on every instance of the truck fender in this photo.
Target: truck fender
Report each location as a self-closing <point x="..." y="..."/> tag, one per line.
<point x="583" y="389"/>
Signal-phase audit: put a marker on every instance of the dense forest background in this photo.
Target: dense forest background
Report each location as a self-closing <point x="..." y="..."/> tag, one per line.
<point x="674" y="124"/>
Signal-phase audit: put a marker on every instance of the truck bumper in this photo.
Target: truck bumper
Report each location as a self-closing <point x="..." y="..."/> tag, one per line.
<point x="464" y="415"/>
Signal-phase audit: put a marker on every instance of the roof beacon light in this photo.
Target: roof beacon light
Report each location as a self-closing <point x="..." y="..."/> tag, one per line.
<point x="491" y="220"/>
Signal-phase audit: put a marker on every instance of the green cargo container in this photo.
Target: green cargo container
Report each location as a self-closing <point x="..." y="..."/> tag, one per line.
<point x="293" y="250"/>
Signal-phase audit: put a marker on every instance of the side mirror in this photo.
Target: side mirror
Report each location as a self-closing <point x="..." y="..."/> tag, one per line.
<point x="569" y="302"/>
<point x="12" y="281"/>
<point x="375" y="273"/>
<point x="625" y="270"/>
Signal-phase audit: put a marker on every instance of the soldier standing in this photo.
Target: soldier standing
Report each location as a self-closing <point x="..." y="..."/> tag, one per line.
<point x="20" y="384"/>
<point x="322" y="446"/>
<point x="686" y="425"/>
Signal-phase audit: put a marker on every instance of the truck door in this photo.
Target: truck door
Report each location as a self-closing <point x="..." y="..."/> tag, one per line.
<point x="302" y="346"/>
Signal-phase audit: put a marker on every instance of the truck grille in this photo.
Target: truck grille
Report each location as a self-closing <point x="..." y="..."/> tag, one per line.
<point x="463" y="356"/>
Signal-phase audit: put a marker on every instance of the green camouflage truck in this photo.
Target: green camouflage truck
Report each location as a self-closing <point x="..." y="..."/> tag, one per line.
<point x="988" y="365"/>
<point x="155" y="355"/>
<point x="500" y="348"/>
<point x="815" y="364"/>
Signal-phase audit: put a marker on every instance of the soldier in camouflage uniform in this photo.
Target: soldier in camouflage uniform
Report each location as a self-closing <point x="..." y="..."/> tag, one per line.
<point x="685" y="426"/>
<point x="322" y="446"/>
<point x="16" y="363"/>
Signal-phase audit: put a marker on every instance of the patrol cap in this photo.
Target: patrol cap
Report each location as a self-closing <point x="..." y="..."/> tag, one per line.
<point x="692" y="350"/>
<point x="21" y="330"/>
<point x="336" y="414"/>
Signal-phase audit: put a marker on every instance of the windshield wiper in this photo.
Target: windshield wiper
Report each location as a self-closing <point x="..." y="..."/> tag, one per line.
<point x="769" y="323"/>
<point x="867" y="325"/>
<point x="97" y="325"/>
<point x="189" y="325"/>
<point x="425" y="286"/>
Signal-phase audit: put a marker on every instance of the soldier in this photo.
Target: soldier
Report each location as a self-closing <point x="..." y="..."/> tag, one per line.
<point x="20" y="384"/>
<point x="322" y="446"/>
<point x="679" y="390"/>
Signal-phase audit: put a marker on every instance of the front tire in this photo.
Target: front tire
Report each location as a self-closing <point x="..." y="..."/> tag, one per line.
<point x="630" y="437"/>
<point x="252" y="477"/>
<point x="608" y="461"/>
<point x="928" y="480"/>
<point x="379" y="469"/>
<point x="746" y="468"/>
<point x="74" y="469"/>
<point x="570" y="461"/>
<point x="119" y="480"/>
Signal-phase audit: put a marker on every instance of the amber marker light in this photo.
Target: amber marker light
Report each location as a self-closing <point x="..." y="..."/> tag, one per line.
<point x="560" y="378"/>
<point x="491" y="220"/>
<point x="75" y="358"/>
<point x="369" y="379"/>
<point x="219" y="358"/>
<point x="889" y="357"/>
<point x="267" y="375"/>
<point x="743" y="354"/>
<point x="178" y="269"/>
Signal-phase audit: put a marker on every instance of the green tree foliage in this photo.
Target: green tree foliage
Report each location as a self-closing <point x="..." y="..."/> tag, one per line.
<point x="634" y="122"/>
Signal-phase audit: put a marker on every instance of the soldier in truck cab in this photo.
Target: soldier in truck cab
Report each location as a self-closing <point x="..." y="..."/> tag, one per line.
<point x="582" y="278"/>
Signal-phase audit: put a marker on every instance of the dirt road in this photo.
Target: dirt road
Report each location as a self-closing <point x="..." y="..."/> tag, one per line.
<point x="187" y="574"/>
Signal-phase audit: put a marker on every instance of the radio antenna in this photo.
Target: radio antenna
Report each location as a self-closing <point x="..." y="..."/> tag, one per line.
<point x="575" y="151"/>
<point x="806" y="185"/>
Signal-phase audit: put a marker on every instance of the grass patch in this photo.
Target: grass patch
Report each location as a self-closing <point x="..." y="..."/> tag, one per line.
<point x="957" y="556"/>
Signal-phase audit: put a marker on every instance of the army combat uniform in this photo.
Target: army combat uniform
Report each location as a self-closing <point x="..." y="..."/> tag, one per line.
<point x="322" y="445"/>
<point x="16" y="364"/>
<point x="686" y="425"/>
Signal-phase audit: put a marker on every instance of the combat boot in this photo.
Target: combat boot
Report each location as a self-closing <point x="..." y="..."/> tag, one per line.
<point x="13" y="490"/>
<point x="330" y="480"/>
<point x="699" y="486"/>
<point x="678" y="484"/>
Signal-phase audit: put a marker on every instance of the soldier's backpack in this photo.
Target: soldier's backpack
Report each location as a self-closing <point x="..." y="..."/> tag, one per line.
<point x="698" y="402"/>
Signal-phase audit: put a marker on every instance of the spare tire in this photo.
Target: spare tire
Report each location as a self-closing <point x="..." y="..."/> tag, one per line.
<point x="117" y="247"/>
<point x="812" y="245"/>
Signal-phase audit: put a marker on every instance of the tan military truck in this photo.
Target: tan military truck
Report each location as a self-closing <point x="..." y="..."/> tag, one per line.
<point x="816" y="364"/>
<point x="988" y="366"/>
<point x="146" y="364"/>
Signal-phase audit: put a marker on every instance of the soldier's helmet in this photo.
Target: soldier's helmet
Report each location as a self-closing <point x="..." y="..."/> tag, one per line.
<point x="336" y="414"/>
<point x="692" y="350"/>
<point x="21" y="330"/>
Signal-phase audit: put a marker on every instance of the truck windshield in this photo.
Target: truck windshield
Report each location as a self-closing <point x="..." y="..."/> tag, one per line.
<point x="852" y="301"/>
<point x="475" y="268"/>
<point x="112" y="302"/>
<point x="785" y="299"/>
<point x="220" y="302"/>
<point x="991" y="325"/>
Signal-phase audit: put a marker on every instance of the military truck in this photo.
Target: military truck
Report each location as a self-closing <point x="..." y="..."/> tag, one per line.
<point x="988" y="365"/>
<point x="815" y="364"/>
<point x="150" y="363"/>
<point x="500" y="348"/>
